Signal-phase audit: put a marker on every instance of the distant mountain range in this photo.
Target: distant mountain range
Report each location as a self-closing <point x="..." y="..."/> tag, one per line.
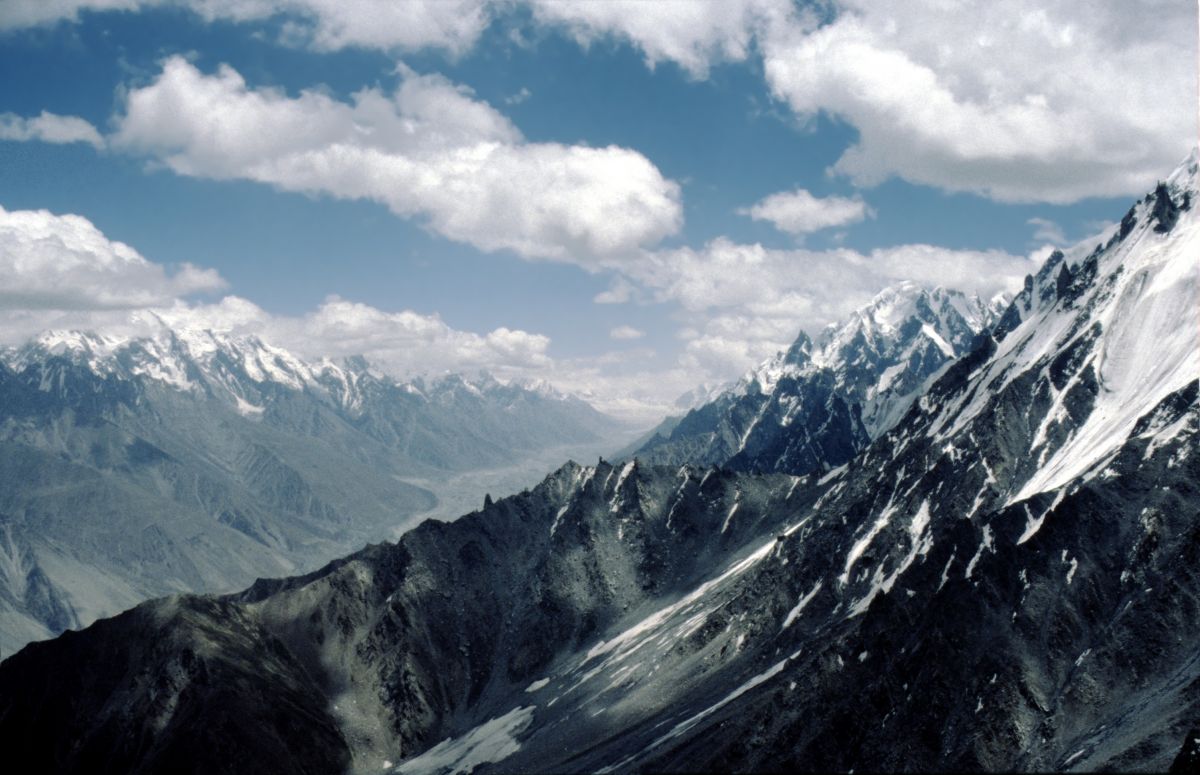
<point x="818" y="404"/>
<point x="1004" y="578"/>
<point x="195" y="461"/>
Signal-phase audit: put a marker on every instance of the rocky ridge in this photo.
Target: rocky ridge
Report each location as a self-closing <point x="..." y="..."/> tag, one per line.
<point x="819" y="403"/>
<point x="1006" y="579"/>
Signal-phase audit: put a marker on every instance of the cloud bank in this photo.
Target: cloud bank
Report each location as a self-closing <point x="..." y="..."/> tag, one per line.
<point x="736" y="303"/>
<point x="1022" y="101"/>
<point x="430" y="151"/>
<point x="324" y="25"/>
<point x="62" y="272"/>
<point x="741" y="302"/>
<point x="1019" y="101"/>
<point x="63" y="262"/>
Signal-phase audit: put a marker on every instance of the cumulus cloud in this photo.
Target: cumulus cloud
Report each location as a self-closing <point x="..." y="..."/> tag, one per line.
<point x="634" y="385"/>
<point x="626" y="332"/>
<point x="693" y="34"/>
<point x="799" y="212"/>
<point x="742" y="302"/>
<point x="1019" y="101"/>
<point x="408" y="342"/>
<point x="1047" y="231"/>
<point x="324" y="25"/>
<point x="60" y="271"/>
<point x="736" y="304"/>
<point x="429" y="150"/>
<point x="1028" y="100"/>
<point x="402" y="343"/>
<point x="63" y="262"/>
<point x="49" y="128"/>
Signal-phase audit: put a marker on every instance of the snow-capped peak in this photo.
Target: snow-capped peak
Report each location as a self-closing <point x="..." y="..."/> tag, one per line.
<point x="81" y="346"/>
<point x="701" y="394"/>
<point x="883" y="353"/>
<point x="242" y="369"/>
<point x="541" y="387"/>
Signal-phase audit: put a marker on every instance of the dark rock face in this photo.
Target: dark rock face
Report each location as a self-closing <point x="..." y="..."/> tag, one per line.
<point x="1188" y="759"/>
<point x="182" y="685"/>
<point x="1008" y="579"/>
<point x="1166" y="211"/>
<point x="1127" y="223"/>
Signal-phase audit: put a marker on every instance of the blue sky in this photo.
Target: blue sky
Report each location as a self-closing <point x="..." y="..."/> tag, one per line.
<point x="601" y="233"/>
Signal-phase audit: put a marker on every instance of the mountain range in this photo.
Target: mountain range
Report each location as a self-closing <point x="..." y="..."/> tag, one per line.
<point x="819" y="403"/>
<point x="1001" y="575"/>
<point x="192" y="461"/>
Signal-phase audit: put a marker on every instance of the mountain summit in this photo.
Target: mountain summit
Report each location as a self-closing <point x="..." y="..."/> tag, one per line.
<point x="819" y="403"/>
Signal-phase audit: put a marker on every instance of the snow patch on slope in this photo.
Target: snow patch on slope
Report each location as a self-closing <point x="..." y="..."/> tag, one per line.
<point x="487" y="743"/>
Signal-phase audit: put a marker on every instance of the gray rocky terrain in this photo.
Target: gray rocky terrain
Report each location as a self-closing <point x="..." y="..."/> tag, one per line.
<point x="193" y="461"/>
<point x="1005" y="579"/>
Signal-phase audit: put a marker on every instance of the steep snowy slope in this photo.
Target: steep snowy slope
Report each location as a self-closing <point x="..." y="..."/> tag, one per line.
<point x="1008" y="579"/>
<point x="819" y="403"/>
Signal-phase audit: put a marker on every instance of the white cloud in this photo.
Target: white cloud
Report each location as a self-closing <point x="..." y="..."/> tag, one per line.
<point x="407" y="342"/>
<point x="742" y="302"/>
<point x="619" y="291"/>
<point x="403" y="343"/>
<point x="1020" y="101"/>
<point x="60" y="271"/>
<point x="325" y="25"/>
<point x="736" y="305"/>
<point x="429" y="150"/>
<point x="1026" y="100"/>
<point x="1046" y="230"/>
<point x="691" y="33"/>
<point x="329" y="25"/>
<point x="799" y="212"/>
<point x="521" y="96"/>
<point x="63" y="262"/>
<point x="632" y="386"/>
<point x="626" y="332"/>
<point x="28" y="13"/>
<point x="49" y="128"/>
